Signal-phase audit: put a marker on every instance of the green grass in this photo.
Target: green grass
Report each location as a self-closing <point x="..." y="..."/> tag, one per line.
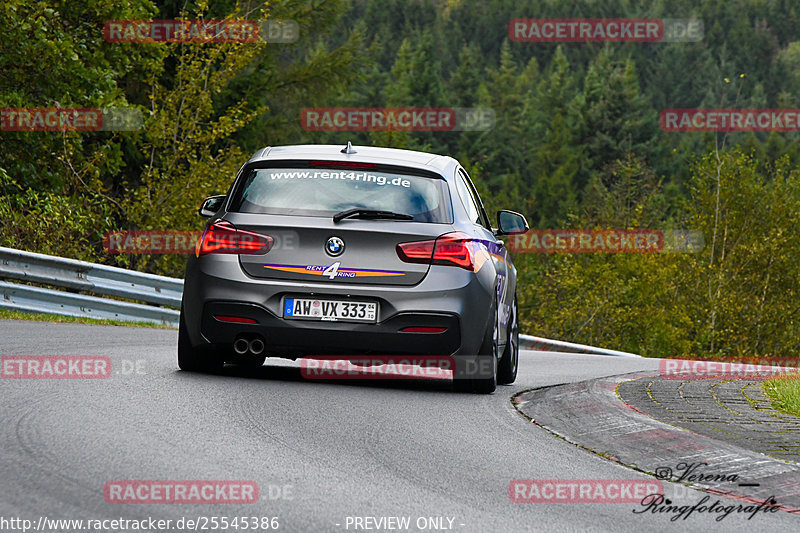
<point x="6" y="314"/>
<point x="784" y="393"/>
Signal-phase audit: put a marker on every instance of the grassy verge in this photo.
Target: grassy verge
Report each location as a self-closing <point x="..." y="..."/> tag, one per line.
<point x="784" y="393"/>
<point x="6" y="314"/>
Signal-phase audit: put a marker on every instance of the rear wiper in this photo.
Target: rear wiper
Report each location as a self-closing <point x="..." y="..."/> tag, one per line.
<point x="358" y="212"/>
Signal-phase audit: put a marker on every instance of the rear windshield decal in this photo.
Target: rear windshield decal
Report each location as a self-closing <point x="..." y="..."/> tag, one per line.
<point x="342" y="175"/>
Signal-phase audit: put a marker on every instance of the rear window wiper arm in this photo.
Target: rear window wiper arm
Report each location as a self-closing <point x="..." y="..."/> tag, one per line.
<point x="358" y="212"/>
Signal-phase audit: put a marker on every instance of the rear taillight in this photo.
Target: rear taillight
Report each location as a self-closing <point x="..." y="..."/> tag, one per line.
<point x="222" y="237"/>
<point x="451" y="249"/>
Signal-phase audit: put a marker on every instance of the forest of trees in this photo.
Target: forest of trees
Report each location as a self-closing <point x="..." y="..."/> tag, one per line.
<point x="576" y="143"/>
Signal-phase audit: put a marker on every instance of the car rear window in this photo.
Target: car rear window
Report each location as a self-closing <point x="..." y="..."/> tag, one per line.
<point x="324" y="192"/>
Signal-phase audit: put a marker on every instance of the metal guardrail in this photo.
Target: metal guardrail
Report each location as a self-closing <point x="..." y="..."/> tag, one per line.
<point x="88" y="277"/>
<point x="123" y="283"/>
<point x="550" y="345"/>
<point x="39" y="300"/>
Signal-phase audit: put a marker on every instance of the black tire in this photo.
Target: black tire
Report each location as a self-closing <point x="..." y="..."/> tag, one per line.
<point x="487" y="352"/>
<point x="486" y="385"/>
<point x="507" y="369"/>
<point x="193" y="359"/>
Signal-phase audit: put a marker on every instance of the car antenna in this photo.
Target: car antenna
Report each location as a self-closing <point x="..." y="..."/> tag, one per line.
<point x="348" y="149"/>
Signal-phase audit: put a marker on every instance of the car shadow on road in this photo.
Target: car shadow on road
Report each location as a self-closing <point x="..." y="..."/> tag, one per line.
<point x="269" y="372"/>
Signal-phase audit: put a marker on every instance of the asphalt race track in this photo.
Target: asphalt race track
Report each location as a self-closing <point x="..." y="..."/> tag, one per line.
<point x="326" y="456"/>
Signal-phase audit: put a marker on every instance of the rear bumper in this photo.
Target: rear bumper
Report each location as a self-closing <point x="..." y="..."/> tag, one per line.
<point x="295" y="338"/>
<point x="448" y="297"/>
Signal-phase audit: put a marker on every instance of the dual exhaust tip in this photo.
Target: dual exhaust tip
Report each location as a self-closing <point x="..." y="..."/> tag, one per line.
<point x="253" y="345"/>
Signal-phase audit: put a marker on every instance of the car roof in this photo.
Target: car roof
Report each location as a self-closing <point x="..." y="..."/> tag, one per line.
<point x="363" y="154"/>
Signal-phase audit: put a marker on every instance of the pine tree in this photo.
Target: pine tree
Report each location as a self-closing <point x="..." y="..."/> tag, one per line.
<point x="615" y="118"/>
<point x="555" y="165"/>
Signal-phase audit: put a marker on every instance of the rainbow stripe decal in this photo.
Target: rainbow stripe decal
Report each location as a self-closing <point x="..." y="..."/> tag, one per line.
<point x="334" y="270"/>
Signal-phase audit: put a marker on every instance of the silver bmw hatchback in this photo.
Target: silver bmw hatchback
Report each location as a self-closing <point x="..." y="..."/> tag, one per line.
<point x="330" y="250"/>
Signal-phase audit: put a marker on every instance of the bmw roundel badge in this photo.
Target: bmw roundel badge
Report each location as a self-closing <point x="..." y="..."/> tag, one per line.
<point x="334" y="247"/>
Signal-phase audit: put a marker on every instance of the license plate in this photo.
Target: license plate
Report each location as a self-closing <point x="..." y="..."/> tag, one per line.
<point x="330" y="310"/>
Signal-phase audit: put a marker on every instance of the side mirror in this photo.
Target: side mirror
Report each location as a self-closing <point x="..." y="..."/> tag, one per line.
<point x="510" y="223"/>
<point x="211" y="205"/>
